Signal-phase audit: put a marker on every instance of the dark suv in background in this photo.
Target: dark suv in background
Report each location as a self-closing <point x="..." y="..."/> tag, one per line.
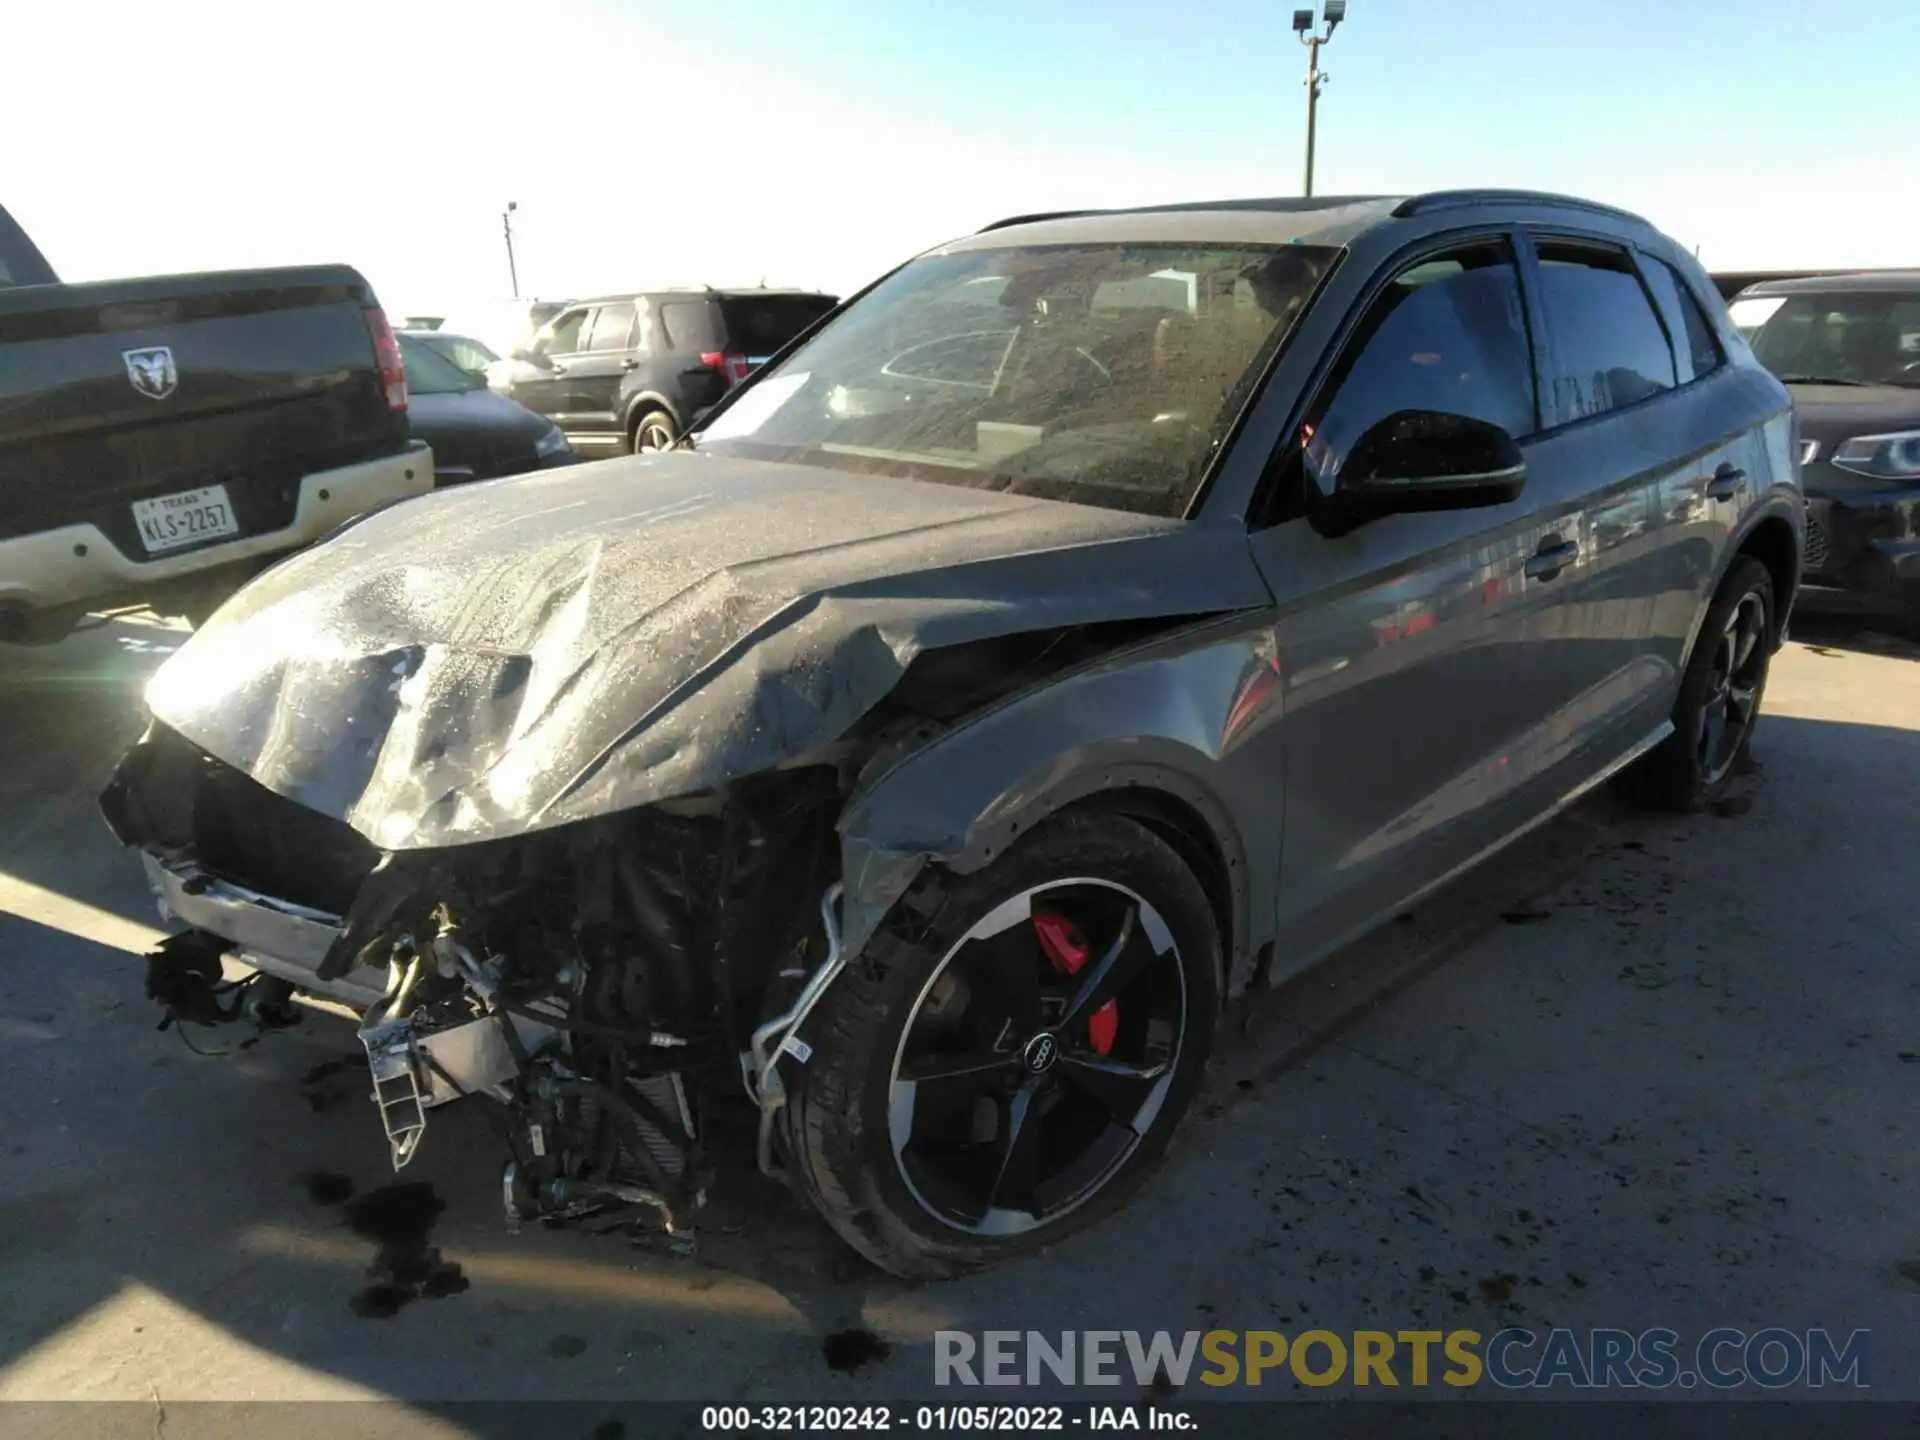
<point x="1848" y="348"/>
<point x="626" y="373"/>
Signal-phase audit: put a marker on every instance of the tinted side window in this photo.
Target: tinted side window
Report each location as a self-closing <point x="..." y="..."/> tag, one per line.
<point x="565" y="336"/>
<point x="1449" y="334"/>
<point x="1607" y="347"/>
<point x="612" y="328"/>
<point x="760" y="325"/>
<point x="1695" y="348"/>
<point x="689" y="325"/>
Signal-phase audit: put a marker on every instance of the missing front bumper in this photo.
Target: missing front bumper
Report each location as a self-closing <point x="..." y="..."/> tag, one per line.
<point x="255" y="932"/>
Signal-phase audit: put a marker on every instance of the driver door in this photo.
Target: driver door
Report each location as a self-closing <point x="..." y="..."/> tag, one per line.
<point x="541" y="384"/>
<point x="1404" y="644"/>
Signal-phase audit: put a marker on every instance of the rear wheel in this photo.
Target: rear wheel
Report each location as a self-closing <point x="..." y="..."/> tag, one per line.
<point x="1719" y="704"/>
<point x="996" y="1078"/>
<point x="653" y="431"/>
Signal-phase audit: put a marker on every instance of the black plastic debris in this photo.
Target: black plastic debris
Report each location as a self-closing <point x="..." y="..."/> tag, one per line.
<point x="183" y="975"/>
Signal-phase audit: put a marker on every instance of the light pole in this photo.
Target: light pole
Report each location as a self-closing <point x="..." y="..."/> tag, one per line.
<point x="1336" y="11"/>
<point x="506" y="227"/>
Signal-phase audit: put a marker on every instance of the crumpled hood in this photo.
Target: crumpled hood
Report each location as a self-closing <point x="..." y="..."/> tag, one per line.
<point x="501" y="657"/>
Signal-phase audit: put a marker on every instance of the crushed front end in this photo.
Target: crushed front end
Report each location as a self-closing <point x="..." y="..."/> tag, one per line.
<point x="607" y="983"/>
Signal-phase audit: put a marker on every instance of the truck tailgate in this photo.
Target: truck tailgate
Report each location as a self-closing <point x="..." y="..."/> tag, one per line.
<point x="266" y="376"/>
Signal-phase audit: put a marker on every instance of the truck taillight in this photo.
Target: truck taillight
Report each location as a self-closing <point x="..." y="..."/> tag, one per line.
<point x="386" y="354"/>
<point x="735" y="367"/>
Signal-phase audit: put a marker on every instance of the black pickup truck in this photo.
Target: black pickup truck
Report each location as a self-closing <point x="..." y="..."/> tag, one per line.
<point x="162" y="440"/>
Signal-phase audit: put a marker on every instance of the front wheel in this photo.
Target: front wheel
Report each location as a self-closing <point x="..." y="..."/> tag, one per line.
<point x="1719" y="703"/>
<point x="654" y="432"/>
<point x="989" y="1081"/>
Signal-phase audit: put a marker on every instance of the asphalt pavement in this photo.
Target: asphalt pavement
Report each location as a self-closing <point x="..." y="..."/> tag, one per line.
<point x="1634" y="1072"/>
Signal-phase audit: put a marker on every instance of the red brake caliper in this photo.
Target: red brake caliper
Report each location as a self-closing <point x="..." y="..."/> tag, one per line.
<point x="1067" y="950"/>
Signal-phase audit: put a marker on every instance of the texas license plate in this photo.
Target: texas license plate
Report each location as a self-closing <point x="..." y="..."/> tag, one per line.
<point x="172" y="522"/>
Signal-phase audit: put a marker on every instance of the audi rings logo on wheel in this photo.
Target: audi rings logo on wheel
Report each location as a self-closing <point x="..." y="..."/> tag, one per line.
<point x="1042" y="1050"/>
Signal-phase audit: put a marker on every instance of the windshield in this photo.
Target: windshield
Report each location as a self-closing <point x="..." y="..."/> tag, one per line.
<point x="464" y="353"/>
<point x="431" y="374"/>
<point x="1840" y="337"/>
<point x="1102" y="374"/>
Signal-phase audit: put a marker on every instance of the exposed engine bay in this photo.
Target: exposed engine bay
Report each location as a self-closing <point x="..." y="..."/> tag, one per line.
<point x="604" y="983"/>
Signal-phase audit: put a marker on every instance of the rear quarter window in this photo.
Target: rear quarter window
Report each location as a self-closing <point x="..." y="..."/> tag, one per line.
<point x="1696" y="350"/>
<point x="690" y="325"/>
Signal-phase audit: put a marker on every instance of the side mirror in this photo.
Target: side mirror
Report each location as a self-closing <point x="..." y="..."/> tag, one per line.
<point x="476" y="379"/>
<point x="1418" y="460"/>
<point x="529" y="357"/>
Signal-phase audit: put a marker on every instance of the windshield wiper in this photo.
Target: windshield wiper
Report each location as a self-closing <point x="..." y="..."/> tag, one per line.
<point x="1820" y="380"/>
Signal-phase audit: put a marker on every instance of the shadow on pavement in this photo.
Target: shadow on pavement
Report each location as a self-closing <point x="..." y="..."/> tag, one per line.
<point x="145" y="1183"/>
<point x="1830" y="620"/>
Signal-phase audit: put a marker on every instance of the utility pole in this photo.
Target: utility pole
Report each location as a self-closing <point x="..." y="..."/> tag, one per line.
<point x="506" y="227"/>
<point x="1336" y="11"/>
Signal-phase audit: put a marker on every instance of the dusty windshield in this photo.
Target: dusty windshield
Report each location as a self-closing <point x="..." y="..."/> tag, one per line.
<point x="1102" y="374"/>
<point x="1841" y="338"/>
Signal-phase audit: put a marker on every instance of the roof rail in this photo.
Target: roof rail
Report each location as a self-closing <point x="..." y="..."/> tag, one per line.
<point x="1450" y="199"/>
<point x="1036" y="218"/>
<point x="1271" y="204"/>
<point x="1279" y="204"/>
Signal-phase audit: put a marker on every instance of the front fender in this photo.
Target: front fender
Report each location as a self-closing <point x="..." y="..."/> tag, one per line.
<point x="1172" y="718"/>
<point x="650" y="400"/>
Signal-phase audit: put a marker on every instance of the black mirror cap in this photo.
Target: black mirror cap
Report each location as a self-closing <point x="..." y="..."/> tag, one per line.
<point x="1423" y="460"/>
<point x="476" y="379"/>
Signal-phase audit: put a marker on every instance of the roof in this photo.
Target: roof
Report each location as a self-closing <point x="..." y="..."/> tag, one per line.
<point x="1322" y="220"/>
<point x="728" y="292"/>
<point x="1319" y="220"/>
<point x="1859" y="282"/>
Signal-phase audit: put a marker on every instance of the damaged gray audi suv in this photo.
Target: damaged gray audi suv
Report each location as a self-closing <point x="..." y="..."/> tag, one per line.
<point x="1100" y="615"/>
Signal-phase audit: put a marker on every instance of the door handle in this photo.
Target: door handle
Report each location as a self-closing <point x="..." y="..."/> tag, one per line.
<point x="556" y="369"/>
<point x="1553" y="556"/>
<point x="1725" y="483"/>
<point x="629" y="364"/>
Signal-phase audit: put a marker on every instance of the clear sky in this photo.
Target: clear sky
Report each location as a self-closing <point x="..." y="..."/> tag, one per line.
<point x="815" y="142"/>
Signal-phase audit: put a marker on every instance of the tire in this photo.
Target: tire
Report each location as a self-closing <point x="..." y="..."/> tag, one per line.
<point x="926" y="994"/>
<point x="1697" y="763"/>
<point x="652" y="430"/>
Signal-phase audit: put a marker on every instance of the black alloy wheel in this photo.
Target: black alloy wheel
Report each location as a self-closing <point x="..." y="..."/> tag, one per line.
<point x="1718" y="707"/>
<point x="1738" y="668"/>
<point x="1036" y="1056"/>
<point x="1008" y="1058"/>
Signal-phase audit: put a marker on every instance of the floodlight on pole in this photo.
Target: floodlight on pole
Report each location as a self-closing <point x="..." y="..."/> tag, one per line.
<point x="1334" y="11"/>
